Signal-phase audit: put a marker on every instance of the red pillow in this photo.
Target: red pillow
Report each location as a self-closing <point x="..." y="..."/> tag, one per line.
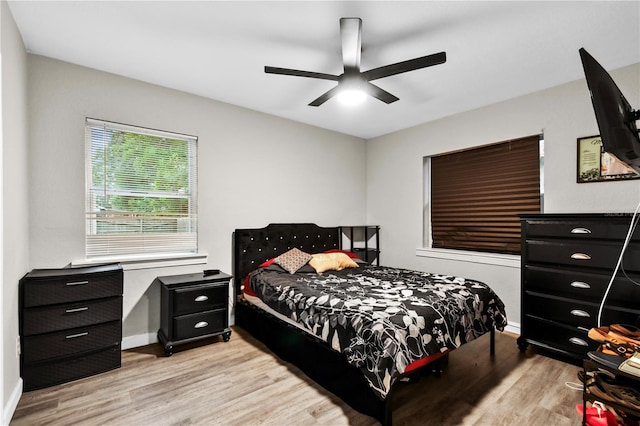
<point x="246" y="288"/>
<point x="347" y="252"/>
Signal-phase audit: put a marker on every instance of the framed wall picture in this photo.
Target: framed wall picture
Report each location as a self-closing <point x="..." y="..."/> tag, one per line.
<point x="596" y="165"/>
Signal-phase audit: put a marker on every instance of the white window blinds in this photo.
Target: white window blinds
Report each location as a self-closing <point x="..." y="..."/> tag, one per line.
<point x="141" y="191"/>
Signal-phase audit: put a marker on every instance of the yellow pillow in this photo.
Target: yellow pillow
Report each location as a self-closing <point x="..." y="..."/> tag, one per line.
<point x="322" y="262"/>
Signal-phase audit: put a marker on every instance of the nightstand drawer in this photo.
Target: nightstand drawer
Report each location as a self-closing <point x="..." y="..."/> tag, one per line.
<point x="577" y="284"/>
<point x="558" y="336"/>
<point x="71" y="288"/>
<point x="603" y="255"/>
<point x="73" y="315"/>
<point x="43" y="374"/>
<point x="580" y="229"/>
<point x="200" y="324"/>
<point x="73" y="341"/>
<point x="200" y="298"/>
<point x="576" y="313"/>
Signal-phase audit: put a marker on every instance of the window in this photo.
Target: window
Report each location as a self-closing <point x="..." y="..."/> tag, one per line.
<point x="141" y="191"/>
<point x="477" y="194"/>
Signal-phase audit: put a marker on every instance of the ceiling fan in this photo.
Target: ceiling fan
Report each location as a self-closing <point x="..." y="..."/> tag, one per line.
<point x="353" y="78"/>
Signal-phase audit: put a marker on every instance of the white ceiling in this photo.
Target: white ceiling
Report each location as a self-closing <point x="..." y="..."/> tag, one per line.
<point x="218" y="49"/>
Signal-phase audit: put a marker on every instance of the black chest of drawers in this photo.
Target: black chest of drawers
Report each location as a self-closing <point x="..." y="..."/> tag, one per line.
<point x="193" y="307"/>
<point x="567" y="264"/>
<point x="70" y="324"/>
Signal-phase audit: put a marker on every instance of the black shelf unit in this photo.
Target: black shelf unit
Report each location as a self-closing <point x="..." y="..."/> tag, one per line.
<point x="363" y="240"/>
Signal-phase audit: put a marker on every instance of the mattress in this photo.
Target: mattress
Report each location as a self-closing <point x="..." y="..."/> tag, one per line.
<point x="384" y="320"/>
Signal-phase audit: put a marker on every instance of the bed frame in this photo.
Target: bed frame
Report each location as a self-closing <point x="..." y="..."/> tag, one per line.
<point x="313" y="356"/>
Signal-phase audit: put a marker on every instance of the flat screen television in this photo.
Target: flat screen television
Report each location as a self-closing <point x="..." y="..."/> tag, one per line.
<point x="616" y="119"/>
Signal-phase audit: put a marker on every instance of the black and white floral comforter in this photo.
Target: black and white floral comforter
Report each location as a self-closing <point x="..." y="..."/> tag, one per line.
<point x="382" y="319"/>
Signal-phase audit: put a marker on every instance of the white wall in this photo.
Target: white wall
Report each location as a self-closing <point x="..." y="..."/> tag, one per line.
<point x="15" y="226"/>
<point x="253" y="169"/>
<point x="564" y="113"/>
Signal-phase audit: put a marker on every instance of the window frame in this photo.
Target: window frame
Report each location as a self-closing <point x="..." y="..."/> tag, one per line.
<point x="144" y="246"/>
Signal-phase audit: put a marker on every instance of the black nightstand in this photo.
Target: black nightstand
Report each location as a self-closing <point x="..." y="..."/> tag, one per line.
<point x="193" y="307"/>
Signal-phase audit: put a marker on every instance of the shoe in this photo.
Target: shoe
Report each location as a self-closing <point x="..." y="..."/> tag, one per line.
<point x="597" y="415"/>
<point x="623" y="395"/>
<point x="606" y="359"/>
<point x="624" y="335"/>
<point x="592" y="374"/>
<point x="619" y="349"/>
<point x="594" y="388"/>
<point x="626" y="330"/>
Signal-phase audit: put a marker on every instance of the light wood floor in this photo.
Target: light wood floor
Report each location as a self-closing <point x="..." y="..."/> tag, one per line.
<point x="241" y="383"/>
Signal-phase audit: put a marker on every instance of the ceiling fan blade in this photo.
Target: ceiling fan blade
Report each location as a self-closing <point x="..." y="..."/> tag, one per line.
<point x="298" y="73"/>
<point x="404" y="66"/>
<point x="325" y="97"/>
<point x="351" y="34"/>
<point x="379" y="93"/>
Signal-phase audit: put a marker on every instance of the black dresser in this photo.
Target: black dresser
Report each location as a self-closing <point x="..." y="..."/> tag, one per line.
<point x="193" y="307"/>
<point x="70" y="323"/>
<point x="567" y="263"/>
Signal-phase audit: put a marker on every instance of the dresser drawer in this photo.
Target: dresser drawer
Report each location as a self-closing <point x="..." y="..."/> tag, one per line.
<point x="595" y="254"/>
<point x="582" y="229"/>
<point x="72" y="315"/>
<point x="200" y="298"/>
<point x="200" y="324"/>
<point x="73" y="341"/>
<point x="577" y="313"/>
<point x="70" y="288"/>
<point x="62" y="370"/>
<point x="558" y="336"/>
<point x="578" y="284"/>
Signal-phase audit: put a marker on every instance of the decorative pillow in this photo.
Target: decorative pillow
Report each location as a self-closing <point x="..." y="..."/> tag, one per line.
<point x="293" y="260"/>
<point x="351" y="254"/>
<point x="331" y="262"/>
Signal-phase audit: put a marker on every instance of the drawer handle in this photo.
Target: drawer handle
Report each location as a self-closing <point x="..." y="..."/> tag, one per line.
<point x="580" y="313"/>
<point x="75" y="336"/>
<point x="71" y="311"/>
<point x="201" y="298"/>
<point x="580" y="231"/>
<point x="201" y="324"/>
<point x="577" y="341"/>
<point x="580" y="256"/>
<point x="580" y="284"/>
<point x="78" y="283"/>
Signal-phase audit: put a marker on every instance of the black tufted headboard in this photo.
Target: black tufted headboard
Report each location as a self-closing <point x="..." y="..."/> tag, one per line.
<point x="251" y="247"/>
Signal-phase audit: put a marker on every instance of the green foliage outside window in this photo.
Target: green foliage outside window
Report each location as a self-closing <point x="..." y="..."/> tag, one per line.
<point x="140" y="182"/>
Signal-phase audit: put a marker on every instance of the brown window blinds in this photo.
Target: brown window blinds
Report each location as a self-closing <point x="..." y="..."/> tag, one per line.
<point x="477" y="195"/>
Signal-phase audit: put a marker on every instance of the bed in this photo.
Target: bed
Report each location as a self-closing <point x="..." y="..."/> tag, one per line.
<point x="355" y="330"/>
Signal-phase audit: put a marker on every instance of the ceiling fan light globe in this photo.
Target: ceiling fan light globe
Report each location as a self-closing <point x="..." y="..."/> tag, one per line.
<point x="351" y="97"/>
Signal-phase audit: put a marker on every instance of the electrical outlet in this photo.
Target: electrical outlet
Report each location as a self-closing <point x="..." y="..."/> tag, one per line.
<point x="18" y="347"/>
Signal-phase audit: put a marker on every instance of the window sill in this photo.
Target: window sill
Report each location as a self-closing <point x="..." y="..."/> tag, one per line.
<point x="147" y="261"/>
<point x="495" y="259"/>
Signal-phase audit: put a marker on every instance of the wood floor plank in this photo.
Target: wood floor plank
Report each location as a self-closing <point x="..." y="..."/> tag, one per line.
<point x="241" y="382"/>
